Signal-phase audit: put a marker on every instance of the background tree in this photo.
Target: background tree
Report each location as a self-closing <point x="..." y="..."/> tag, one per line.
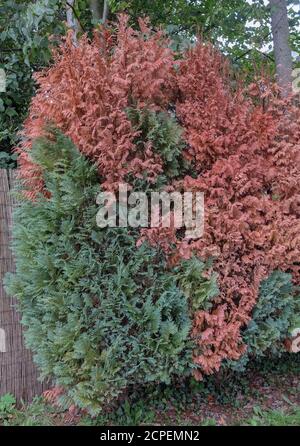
<point x="25" y="29"/>
<point x="99" y="10"/>
<point x="282" y="50"/>
<point x="95" y="10"/>
<point x="72" y="20"/>
<point x="240" y="28"/>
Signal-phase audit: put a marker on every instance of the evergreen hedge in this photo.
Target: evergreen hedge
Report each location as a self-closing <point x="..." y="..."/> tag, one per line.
<point x="100" y="313"/>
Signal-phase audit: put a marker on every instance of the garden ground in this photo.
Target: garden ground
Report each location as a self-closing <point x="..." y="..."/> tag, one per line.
<point x="267" y="396"/>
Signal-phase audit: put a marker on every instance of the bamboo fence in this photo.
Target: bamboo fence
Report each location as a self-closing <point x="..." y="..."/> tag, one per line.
<point x="18" y="375"/>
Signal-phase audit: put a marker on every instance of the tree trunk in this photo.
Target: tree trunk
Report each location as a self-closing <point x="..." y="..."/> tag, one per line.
<point x="283" y="56"/>
<point x="72" y="20"/>
<point x="105" y="11"/>
<point x="95" y="10"/>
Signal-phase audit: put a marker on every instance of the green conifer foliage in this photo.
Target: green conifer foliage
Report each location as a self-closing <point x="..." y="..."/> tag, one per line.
<point x="198" y="283"/>
<point x="164" y="134"/>
<point x="274" y="315"/>
<point x="99" y="313"/>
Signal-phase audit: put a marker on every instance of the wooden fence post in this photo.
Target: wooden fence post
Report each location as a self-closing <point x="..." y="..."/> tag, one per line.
<point x="18" y="375"/>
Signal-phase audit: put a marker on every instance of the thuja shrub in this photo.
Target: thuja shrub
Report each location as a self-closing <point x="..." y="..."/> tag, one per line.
<point x="246" y="161"/>
<point x="143" y="115"/>
<point x="87" y="94"/>
<point x="99" y="313"/>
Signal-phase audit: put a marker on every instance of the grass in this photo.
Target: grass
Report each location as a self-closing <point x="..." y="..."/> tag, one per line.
<point x="39" y="413"/>
<point x="274" y="418"/>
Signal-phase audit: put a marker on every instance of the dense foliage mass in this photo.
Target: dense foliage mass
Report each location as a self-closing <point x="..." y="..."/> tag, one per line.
<point x="99" y="313"/>
<point x="276" y="312"/>
<point x="142" y="116"/>
<point x="28" y="28"/>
